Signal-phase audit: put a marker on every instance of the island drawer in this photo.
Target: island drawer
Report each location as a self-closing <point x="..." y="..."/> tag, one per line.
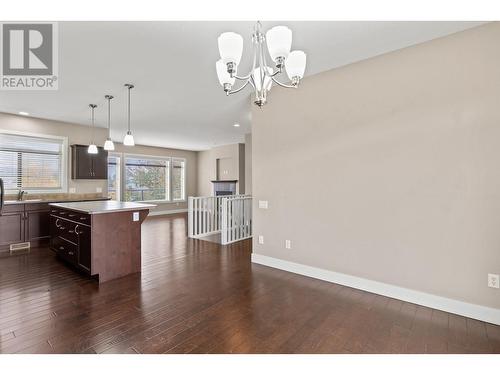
<point x="65" y="249"/>
<point x="79" y="217"/>
<point x="71" y="215"/>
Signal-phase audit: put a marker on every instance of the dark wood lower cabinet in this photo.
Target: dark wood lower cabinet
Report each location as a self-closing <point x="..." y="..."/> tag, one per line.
<point x="84" y="247"/>
<point x="71" y="238"/>
<point x="24" y="223"/>
<point x="36" y="221"/>
<point x="11" y="228"/>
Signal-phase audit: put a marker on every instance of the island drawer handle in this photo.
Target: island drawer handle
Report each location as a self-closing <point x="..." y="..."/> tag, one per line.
<point x="83" y="218"/>
<point x="57" y="225"/>
<point x="61" y="247"/>
<point x="76" y="230"/>
<point x="72" y="215"/>
<point x="70" y="253"/>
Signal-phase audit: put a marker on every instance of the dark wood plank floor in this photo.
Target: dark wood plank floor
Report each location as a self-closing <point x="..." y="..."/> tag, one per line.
<point x="198" y="297"/>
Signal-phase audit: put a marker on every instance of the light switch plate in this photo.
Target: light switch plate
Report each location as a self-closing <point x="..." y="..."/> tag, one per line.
<point x="288" y="244"/>
<point x="98" y="189"/>
<point x="72" y="190"/>
<point x="135" y="216"/>
<point x="261" y="240"/>
<point x="263" y="204"/>
<point x="493" y="280"/>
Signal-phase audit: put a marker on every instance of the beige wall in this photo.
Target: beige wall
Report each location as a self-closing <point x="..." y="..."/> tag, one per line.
<point x="248" y="164"/>
<point x="78" y="134"/>
<point x="388" y="169"/>
<point x="207" y="170"/>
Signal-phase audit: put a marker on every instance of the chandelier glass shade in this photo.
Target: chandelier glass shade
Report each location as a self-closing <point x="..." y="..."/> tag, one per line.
<point x="261" y="76"/>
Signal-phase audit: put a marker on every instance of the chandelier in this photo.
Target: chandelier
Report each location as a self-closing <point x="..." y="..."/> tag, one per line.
<point x="261" y="76"/>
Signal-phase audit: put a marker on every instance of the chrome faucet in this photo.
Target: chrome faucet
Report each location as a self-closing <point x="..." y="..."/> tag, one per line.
<point x="20" y="194"/>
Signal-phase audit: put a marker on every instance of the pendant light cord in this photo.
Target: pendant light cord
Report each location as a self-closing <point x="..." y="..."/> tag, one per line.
<point x="92" y="106"/>
<point x="129" y="88"/>
<point x="109" y="114"/>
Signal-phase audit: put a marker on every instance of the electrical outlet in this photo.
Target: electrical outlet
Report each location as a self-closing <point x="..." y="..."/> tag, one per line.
<point x="493" y="281"/>
<point x="135" y="216"/>
<point x="98" y="189"/>
<point x="288" y="244"/>
<point x="261" y="240"/>
<point x="72" y="190"/>
<point x="263" y="204"/>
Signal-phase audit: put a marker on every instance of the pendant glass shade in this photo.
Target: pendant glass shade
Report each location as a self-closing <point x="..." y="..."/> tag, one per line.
<point x="92" y="149"/>
<point x="230" y="47"/>
<point x="129" y="139"/>
<point x="222" y="73"/>
<point x="109" y="145"/>
<point x="258" y="81"/>
<point x="295" y="64"/>
<point x="279" y="42"/>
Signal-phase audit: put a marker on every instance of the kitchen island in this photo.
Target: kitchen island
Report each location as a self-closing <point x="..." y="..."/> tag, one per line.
<point x="102" y="239"/>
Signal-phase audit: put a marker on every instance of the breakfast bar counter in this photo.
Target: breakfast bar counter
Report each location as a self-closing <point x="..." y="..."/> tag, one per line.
<point x="102" y="239"/>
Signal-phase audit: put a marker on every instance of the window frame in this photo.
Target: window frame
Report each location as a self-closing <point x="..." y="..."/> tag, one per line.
<point x="64" y="162"/>
<point x="169" y="159"/>
<point x="183" y="177"/>
<point x="119" y="156"/>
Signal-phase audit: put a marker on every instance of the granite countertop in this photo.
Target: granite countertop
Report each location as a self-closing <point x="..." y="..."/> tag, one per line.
<point x="103" y="207"/>
<point x="27" y="201"/>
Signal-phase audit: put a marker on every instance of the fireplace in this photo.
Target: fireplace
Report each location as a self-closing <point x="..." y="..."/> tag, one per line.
<point x="224" y="187"/>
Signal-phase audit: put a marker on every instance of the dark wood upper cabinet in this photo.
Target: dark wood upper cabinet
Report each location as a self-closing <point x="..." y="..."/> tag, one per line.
<point x="85" y="166"/>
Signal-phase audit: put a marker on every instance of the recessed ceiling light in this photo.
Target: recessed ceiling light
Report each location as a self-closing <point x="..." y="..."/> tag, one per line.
<point x="24" y="113"/>
<point x="236" y="125"/>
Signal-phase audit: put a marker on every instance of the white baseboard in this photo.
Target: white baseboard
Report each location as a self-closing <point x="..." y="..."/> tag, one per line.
<point x="484" y="313"/>
<point x="167" y="212"/>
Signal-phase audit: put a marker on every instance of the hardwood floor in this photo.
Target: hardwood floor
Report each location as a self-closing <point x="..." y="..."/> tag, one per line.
<point x="199" y="297"/>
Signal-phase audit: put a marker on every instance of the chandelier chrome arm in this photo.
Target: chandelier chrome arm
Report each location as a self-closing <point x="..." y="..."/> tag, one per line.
<point x="238" y="89"/>
<point x="294" y="85"/>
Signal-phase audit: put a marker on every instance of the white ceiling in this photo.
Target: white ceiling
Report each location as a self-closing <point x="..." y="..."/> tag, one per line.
<point x="178" y="101"/>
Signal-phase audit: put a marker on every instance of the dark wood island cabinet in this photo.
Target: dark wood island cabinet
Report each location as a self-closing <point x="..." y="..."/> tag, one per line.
<point x="102" y="239"/>
<point x="25" y="224"/>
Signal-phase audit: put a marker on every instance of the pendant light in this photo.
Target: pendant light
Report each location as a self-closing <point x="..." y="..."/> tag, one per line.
<point x="109" y="145"/>
<point x="92" y="147"/>
<point x="129" y="138"/>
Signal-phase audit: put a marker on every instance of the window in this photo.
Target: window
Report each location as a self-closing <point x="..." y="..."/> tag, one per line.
<point x="32" y="163"/>
<point x="136" y="178"/>
<point x="146" y="179"/>
<point x="114" y="177"/>
<point x="178" y="177"/>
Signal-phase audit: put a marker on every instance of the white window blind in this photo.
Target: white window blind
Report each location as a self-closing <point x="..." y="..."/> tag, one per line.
<point x="31" y="163"/>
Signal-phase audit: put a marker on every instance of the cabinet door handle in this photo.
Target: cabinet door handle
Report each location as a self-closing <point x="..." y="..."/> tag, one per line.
<point x="70" y="253"/>
<point x="57" y="223"/>
<point x="61" y="247"/>
<point x="76" y="230"/>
